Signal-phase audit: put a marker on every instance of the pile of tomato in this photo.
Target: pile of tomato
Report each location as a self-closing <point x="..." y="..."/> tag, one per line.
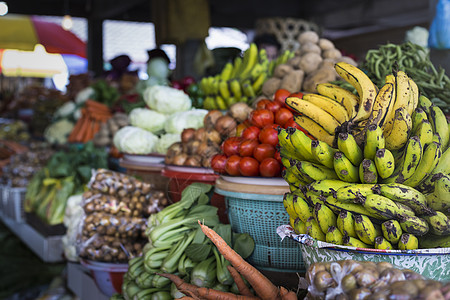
<point x="253" y="151"/>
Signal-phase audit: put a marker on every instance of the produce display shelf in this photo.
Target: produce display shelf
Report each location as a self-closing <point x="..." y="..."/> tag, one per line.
<point x="82" y="284"/>
<point x="49" y="249"/>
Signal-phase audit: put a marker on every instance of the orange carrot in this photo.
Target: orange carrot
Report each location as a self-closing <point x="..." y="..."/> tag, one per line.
<point x="242" y="287"/>
<point x="89" y="133"/>
<point x="263" y="287"/>
<point x="202" y="292"/>
<point x="83" y="127"/>
<point x="99" y="106"/>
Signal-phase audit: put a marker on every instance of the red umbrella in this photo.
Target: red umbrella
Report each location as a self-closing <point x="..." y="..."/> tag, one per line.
<point x="24" y="32"/>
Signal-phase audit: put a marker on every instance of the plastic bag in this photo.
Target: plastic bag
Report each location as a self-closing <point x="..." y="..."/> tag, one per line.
<point x="439" y="33"/>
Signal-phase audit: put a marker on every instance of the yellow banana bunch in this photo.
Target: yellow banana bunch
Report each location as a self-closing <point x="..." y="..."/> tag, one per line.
<point x="368" y="171"/>
<point x="326" y="187"/>
<point x="344" y="168"/>
<point x="313" y="229"/>
<point x="408" y="242"/>
<point x="392" y="231"/>
<point x="346" y="224"/>
<point x="329" y="105"/>
<point x="413" y="225"/>
<point x="382" y="243"/>
<point x="334" y="236"/>
<point x="373" y="141"/>
<point x="385" y="163"/>
<point x="397" y="136"/>
<point x="314" y="129"/>
<point x="343" y="96"/>
<point x="324" y="216"/>
<point x="383" y="105"/>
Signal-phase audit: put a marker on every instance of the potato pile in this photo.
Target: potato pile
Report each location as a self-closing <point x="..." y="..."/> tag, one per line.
<point x="116" y="208"/>
<point x="350" y="279"/>
<point x="313" y="63"/>
<point x="104" y="137"/>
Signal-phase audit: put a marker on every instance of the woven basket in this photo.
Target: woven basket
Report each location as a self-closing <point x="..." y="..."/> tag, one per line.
<point x="286" y="30"/>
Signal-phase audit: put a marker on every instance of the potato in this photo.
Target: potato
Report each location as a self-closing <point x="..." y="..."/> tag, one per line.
<point x="293" y="81"/>
<point x="308" y="36"/>
<point x="295" y="61"/>
<point x="310" y="62"/>
<point x="320" y="75"/>
<point x="310" y="47"/>
<point x="271" y="86"/>
<point x="325" y="44"/>
<point x="332" y="53"/>
<point x="281" y="70"/>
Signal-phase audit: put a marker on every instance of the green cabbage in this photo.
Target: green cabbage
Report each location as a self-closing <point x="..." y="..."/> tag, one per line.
<point x="165" y="141"/>
<point x="166" y="100"/>
<point x="135" y="140"/>
<point x="147" y="119"/>
<point x="177" y="122"/>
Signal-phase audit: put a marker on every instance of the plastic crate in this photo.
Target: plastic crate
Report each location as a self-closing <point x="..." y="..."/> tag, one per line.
<point x="15" y="197"/>
<point x="260" y="215"/>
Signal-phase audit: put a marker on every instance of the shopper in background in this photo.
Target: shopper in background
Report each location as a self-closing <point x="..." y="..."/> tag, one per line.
<point x="268" y="42"/>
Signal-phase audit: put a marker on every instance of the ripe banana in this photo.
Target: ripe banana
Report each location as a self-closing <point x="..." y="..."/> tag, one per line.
<point x="288" y="203"/>
<point x="314" y="129"/>
<point x="314" y="172"/>
<point x="347" y="144"/>
<point x="285" y="142"/>
<point x="249" y="61"/>
<point x="383" y="105"/>
<point x="417" y="117"/>
<point x="346" y="224"/>
<point x="344" y="168"/>
<point x="392" y="231"/>
<point x="439" y="199"/>
<point x="413" y="225"/>
<point x="237" y="63"/>
<point x="301" y="142"/>
<point x="439" y="122"/>
<point x="334" y="236"/>
<point x="224" y="89"/>
<point x="354" y="242"/>
<point x="408" y="163"/>
<point x="408" y="242"/>
<point x="430" y="159"/>
<point x="382" y="243"/>
<point x="329" y="105"/>
<point x="341" y="95"/>
<point x="438" y="222"/>
<point x="226" y="71"/>
<point x="401" y="127"/>
<point x="353" y="192"/>
<point x="374" y="140"/>
<point x="337" y="206"/>
<point x="385" y="208"/>
<point x="368" y="171"/>
<point x="315" y="113"/>
<point x="442" y="168"/>
<point x="247" y="88"/>
<point x="323" y="153"/>
<point x="424" y="132"/>
<point x="324" y="216"/>
<point x="220" y="102"/>
<point x="406" y="195"/>
<point x="300" y="226"/>
<point x="235" y="88"/>
<point x="313" y="229"/>
<point x="289" y="176"/>
<point x="402" y="98"/>
<point x="326" y="187"/>
<point x="385" y="163"/>
<point x="366" y="89"/>
<point x="414" y="100"/>
<point x="292" y="221"/>
<point x="258" y="83"/>
<point x="302" y="209"/>
<point x="365" y="230"/>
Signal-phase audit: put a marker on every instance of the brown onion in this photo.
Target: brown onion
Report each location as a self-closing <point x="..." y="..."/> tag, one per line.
<point x="211" y="117"/>
<point x="192" y="147"/>
<point x="213" y="136"/>
<point x="188" y="134"/>
<point x="200" y="134"/>
<point x="180" y="159"/>
<point x="193" y="161"/>
<point x="239" y="111"/>
<point x="225" y="125"/>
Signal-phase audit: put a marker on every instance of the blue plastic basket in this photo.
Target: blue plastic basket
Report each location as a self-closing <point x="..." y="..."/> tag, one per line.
<point x="259" y="215"/>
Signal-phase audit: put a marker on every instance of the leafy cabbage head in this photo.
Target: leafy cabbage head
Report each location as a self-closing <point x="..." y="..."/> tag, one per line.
<point x="135" y="140"/>
<point x="147" y="119"/>
<point x="166" y="140"/>
<point x="177" y="122"/>
<point x="166" y="100"/>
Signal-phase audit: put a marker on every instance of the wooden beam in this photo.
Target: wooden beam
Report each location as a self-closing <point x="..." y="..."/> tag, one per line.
<point x="110" y="9"/>
<point x="95" y="46"/>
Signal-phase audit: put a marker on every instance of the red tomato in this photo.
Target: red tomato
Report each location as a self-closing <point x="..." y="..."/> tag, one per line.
<point x="218" y="162"/>
<point x="273" y="106"/>
<point x="248" y="166"/>
<point x="282" y="116"/>
<point x="251" y="132"/>
<point x="231" y="146"/>
<point x="261" y="117"/>
<point x="291" y="123"/>
<point x="240" y="129"/>
<point x="261" y="104"/>
<point x="232" y="165"/>
<point x="270" y="167"/>
<point x="269" y="135"/>
<point x="263" y="151"/>
<point x="277" y="156"/>
<point x="298" y="95"/>
<point x="246" y="147"/>
<point x="280" y="96"/>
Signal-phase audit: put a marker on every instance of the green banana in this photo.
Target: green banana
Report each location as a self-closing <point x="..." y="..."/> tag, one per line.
<point x="355" y="191"/>
<point x="385" y="163"/>
<point x="385" y="208"/>
<point x="334" y="236"/>
<point x="323" y="153"/>
<point x="408" y="242"/>
<point x="224" y="90"/>
<point x="391" y="231"/>
<point x="430" y="159"/>
<point x="434" y="241"/>
<point x="347" y="144"/>
<point x="364" y="228"/>
<point x="368" y="171"/>
<point x="354" y="242"/>
<point x="439" y="122"/>
<point x="285" y="143"/>
<point x="248" y="89"/>
<point x="302" y="209"/>
<point x="249" y="60"/>
<point x="324" y="216"/>
<point x="326" y="187"/>
<point x="337" y="206"/>
<point x="346" y="224"/>
<point x="313" y="229"/>
<point x="345" y="170"/>
<point x="235" y="88"/>
<point x="258" y="83"/>
<point x="314" y="172"/>
<point x="300" y="226"/>
<point x="236" y="67"/>
<point x="424" y="132"/>
<point x="405" y="195"/>
<point x="439" y="199"/>
<point x="438" y="222"/>
<point x="382" y="243"/>
<point x="226" y="71"/>
<point x="418" y="117"/>
<point x="374" y="140"/>
<point x="301" y="142"/>
<point x="289" y="176"/>
<point x="413" y="225"/>
<point x="443" y="167"/>
<point x="288" y="203"/>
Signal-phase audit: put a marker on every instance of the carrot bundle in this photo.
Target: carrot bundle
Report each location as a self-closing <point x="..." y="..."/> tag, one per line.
<point x="93" y="114"/>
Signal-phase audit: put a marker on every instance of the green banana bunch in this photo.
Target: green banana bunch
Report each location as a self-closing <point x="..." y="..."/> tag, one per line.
<point x="353" y="192"/>
<point x="382" y="243"/>
<point x="350" y="148"/>
<point x="313" y="229"/>
<point x="323" y="153"/>
<point x="406" y="195"/>
<point x="344" y="168"/>
<point x="368" y="171"/>
<point x="385" y="208"/>
<point x="392" y="231"/>
<point x="346" y="224"/>
<point x="314" y="172"/>
<point x="324" y="217"/>
<point x="385" y="163"/>
<point x="438" y="222"/>
<point x="334" y="236"/>
<point x="413" y="225"/>
<point x="365" y="230"/>
<point x="408" y="242"/>
<point x="326" y="187"/>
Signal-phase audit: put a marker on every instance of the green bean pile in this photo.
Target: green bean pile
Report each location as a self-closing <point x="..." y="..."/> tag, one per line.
<point x="415" y="61"/>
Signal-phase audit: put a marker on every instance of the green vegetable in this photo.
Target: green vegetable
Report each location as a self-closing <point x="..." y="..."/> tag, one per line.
<point x="177" y="122"/>
<point x="134" y="140"/>
<point x="144" y="280"/>
<point x="165" y="141"/>
<point x="147" y="119"/>
<point x="166" y="100"/>
<point x="170" y="262"/>
<point x="204" y="273"/>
